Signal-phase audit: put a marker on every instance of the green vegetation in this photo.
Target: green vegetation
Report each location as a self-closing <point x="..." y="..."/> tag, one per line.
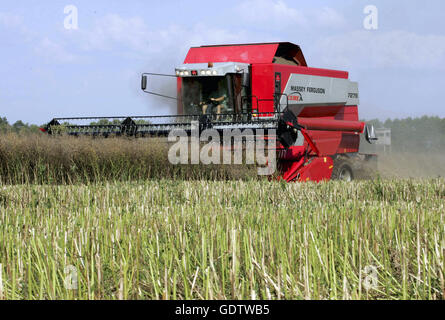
<point x="425" y="134"/>
<point x="133" y="226"/>
<point x="39" y="158"/>
<point x="224" y="240"/>
<point x="24" y="128"/>
<point x="17" y="127"/>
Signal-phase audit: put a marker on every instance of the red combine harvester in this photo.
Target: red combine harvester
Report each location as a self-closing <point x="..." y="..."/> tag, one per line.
<point x="313" y="112"/>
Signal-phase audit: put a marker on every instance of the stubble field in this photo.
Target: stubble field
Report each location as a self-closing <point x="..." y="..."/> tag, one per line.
<point x="223" y="240"/>
<point x="110" y="224"/>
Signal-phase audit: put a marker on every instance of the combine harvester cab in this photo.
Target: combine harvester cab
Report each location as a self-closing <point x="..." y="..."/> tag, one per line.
<point x="265" y="86"/>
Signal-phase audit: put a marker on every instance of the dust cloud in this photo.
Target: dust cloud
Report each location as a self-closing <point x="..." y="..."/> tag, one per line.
<point x="165" y="86"/>
<point x="411" y="165"/>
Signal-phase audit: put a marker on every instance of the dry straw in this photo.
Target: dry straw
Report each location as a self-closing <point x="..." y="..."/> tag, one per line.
<point x="171" y="239"/>
<point x="39" y="158"/>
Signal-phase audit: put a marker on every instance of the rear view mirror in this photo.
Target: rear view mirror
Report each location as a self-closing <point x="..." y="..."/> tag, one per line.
<point x="370" y="134"/>
<point x="144" y="82"/>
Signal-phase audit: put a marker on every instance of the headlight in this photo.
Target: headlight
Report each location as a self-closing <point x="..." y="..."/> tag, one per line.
<point x="208" y="72"/>
<point x="203" y="72"/>
<point x="214" y="72"/>
<point x="177" y="73"/>
<point x="181" y="73"/>
<point x="186" y="73"/>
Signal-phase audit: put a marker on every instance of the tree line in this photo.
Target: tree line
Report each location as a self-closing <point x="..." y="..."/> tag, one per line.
<point x="18" y="127"/>
<point x="21" y="127"/>
<point x="424" y="134"/>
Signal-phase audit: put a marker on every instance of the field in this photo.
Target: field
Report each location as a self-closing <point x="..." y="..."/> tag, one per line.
<point x="42" y="159"/>
<point x="217" y="240"/>
<point x="106" y="230"/>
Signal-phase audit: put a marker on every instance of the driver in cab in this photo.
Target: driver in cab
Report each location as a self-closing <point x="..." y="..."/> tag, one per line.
<point x="218" y="98"/>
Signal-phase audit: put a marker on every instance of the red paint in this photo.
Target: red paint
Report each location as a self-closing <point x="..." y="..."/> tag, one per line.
<point x="321" y="124"/>
<point x="255" y="53"/>
<point x="317" y="170"/>
<point x="287" y="70"/>
<point x="292" y="161"/>
<point x="293" y="153"/>
<point x="330" y="129"/>
<point x="263" y="87"/>
<point x="313" y="147"/>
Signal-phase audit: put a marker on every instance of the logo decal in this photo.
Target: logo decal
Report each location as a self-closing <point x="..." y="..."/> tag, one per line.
<point x="295" y="96"/>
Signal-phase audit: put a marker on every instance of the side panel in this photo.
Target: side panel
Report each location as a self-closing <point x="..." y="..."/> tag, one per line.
<point x="309" y="90"/>
<point x="263" y="87"/>
<point x="317" y="169"/>
<point x="329" y="142"/>
<point x="331" y="96"/>
<point x="263" y="81"/>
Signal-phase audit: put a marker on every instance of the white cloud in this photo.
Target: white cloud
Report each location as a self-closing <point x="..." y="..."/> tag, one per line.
<point x="16" y="26"/>
<point x="125" y="35"/>
<point x="54" y="52"/>
<point x="277" y="14"/>
<point x="400" y="49"/>
<point x="328" y="17"/>
<point x="272" y="12"/>
<point x="10" y="20"/>
<point x="43" y="47"/>
<point x="149" y="50"/>
<point x="202" y="34"/>
<point x="131" y="37"/>
<point x="113" y="29"/>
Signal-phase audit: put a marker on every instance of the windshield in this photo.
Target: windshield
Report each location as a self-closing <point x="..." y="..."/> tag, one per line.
<point x="206" y="95"/>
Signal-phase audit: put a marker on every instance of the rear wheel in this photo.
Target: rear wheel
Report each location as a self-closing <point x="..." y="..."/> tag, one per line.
<point x="342" y="171"/>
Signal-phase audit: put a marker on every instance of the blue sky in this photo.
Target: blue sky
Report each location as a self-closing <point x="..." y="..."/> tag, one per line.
<point x="48" y="71"/>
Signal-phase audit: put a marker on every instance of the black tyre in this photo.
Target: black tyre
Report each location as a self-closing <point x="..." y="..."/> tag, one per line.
<point x="342" y="171"/>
